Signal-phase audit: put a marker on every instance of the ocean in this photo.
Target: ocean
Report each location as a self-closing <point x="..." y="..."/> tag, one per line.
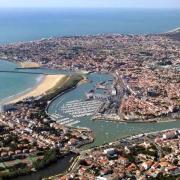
<point x="30" y="24"/>
<point x="11" y="83"/>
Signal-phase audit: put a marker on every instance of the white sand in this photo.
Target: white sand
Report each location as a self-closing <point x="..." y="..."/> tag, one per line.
<point x="47" y="83"/>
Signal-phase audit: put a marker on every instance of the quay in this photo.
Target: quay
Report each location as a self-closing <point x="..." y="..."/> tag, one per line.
<point x="108" y="117"/>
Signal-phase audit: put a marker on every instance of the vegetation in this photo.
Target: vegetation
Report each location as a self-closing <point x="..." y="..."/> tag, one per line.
<point x="49" y="157"/>
<point x="66" y="83"/>
<point x="17" y="170"/>
<point x="166" y="150"/>
<point x="168" y="177"/>
<point x="141" y="150"/>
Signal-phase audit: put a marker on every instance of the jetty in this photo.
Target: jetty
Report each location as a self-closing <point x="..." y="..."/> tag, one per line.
<point x="23" y="72"/>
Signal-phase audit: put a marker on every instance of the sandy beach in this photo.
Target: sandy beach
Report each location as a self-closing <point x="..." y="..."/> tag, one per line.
<point x="48" y="82"/>
<point x="28" y="64"/>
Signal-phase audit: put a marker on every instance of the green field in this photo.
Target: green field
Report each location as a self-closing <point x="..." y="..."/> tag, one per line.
<point x="64" y="84"/>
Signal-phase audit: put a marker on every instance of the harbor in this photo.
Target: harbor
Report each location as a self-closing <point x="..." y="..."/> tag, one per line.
<point x="71" y="111"/>
<point x="64" y="120"/>
<point x="105" y="131"/>
<point x="80" y="108"/>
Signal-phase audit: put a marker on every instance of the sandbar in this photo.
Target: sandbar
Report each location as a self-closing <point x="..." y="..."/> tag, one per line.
<point x="29" y="64"/>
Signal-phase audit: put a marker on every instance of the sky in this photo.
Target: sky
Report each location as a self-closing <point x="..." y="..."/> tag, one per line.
<point x="92" y="3"/>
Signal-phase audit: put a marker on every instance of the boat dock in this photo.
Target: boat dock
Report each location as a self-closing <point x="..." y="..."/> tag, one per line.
<point x="79" y="108"/>
<point x="71" y="111"/>
<point x="64" y="120"/>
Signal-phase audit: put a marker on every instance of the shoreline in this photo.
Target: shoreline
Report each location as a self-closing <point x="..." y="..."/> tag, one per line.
<point x="74" y="164"/>
<point x="59" y="80"/>
<point x="29" y="65"/>
<point x="140" y="120"/>
<point x="33" y="92"/>
<point x="46" y="83"/>
<point x="42" y="80"/>
<point x="8" y="100"/>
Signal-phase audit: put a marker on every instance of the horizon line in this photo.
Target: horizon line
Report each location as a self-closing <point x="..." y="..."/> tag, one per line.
<point x="53" y="7"/>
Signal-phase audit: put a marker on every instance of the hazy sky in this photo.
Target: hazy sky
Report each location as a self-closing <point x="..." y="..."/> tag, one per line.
<point x="92" y="3"/>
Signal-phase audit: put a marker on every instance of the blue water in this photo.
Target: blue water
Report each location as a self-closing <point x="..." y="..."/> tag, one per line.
<point x="31" y="24"/>
<point x="12" y="84"/>
<point x="104" y="131"/>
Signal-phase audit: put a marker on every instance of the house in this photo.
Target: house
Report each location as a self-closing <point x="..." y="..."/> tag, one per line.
<point x="107" y="177"/>
<point x="111" y="153"/>
<point x="146" y="165"/>
<point x="155" y="165"/>
<point x="170" y="168"/>
<point x="123" y="160"/>
<point x="169" y="135"/>
<point x="146" y="144"/>
<point x="127" y="150"/>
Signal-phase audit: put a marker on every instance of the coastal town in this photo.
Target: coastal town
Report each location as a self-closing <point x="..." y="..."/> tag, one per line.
<point x="31" y="140"/>
<point x="145" y="67"/>
<point x="145" y="86"/>
<point x="145" y="156"/>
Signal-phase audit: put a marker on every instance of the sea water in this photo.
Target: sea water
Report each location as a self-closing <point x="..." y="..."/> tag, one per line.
<point x="31" y="24"/>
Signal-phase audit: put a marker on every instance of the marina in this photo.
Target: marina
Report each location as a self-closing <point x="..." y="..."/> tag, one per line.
<point x="80" y="108"/>
<point x="130" y="71"/>
<point x="105" y="131"/>
<point x="71" y="111"/>
<point x="63" y="120"/>
<point x="73" y="105"/>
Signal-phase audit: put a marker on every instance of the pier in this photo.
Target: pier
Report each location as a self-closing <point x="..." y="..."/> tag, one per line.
<point x="71" y="111"/>
<point x="80" y="108"/>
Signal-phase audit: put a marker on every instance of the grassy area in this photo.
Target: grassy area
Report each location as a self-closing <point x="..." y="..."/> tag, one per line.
<point x="15" y="170"/>
<point x="64" y="84"/>
<point x="19" y="167"/>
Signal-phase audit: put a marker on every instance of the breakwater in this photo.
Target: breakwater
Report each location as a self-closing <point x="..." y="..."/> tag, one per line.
<point x="22" y="72"/>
